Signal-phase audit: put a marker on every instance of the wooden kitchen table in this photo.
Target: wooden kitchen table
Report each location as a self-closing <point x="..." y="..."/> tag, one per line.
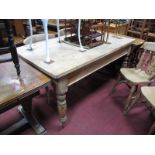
<point x="71" y="65"/>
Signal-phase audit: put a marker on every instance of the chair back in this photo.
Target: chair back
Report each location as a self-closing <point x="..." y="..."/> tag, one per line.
<point x="37" y="38"/>
<point x="139" y="28"/>
<point x="147" y="59"/>
<point x="64" y="31"/>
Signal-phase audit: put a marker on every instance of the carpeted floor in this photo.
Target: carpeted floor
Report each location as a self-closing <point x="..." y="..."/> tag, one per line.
<point x="91" y="110"/>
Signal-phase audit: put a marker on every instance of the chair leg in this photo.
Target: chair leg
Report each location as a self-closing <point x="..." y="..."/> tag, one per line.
<point x="128" y="102"/>
<point x="132" y="103"/>
<point x="152" y="110"/>
<point x="119" y="80"/>
<point x="149" y="107"/>
<point x="152" y="129"/>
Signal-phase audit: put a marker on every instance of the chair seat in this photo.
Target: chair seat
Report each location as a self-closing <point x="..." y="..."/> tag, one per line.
<point x="135" y="75"/>
<point x="149" y="93"/>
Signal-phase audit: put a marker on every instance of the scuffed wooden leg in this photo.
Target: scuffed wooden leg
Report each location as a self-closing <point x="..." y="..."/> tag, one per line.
<point x="48" y="95"/>
<point x="149" y="107"/>
<point x="61" y="90"/>
<point x="152" y="110"/>
<point x="152" y="129"/>
<point x="126" y="61"/>
<point x="132" y="103"/>
<point x="119" y="80"/>
<point x="14" y="127"/>
<point x="127" y="105"/>
<point x="62" y="108"/>
<point x="26" y="110"/>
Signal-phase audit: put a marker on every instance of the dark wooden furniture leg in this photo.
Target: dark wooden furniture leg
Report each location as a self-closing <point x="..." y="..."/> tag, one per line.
<point x="14" y="127"/>
<point x="48" y="94"/>
<point x="12" y="46"/>
<point x="151" y="130"/>
<point x="26" y="110"/>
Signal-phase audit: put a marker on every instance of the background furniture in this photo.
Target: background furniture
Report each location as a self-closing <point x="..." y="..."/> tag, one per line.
<point x="15" y="91"/>
<point x="52" y="23"/>
<point x="151" y="34"/>
<point x="122" y="27"/>
<point x="70" y="65"/>
<point x="10" y="47"/>
<point x="19" y="27"/>
<point x="38" y="26"/>
<point x="138" y="28"/>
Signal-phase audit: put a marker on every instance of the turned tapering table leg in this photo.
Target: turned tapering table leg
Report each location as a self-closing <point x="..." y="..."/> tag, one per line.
<point x="61" y="90"/>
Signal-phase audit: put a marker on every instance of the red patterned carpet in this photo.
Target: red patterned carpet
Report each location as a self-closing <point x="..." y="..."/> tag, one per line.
<point x="91" y="110"/>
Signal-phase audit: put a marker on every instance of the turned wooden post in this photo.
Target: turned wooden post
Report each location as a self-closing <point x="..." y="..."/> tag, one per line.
<point x="12" y="45"/>
<point x="61" y="90"/>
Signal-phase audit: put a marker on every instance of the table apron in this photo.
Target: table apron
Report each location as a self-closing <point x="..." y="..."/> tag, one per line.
<point x="96" y="65"/>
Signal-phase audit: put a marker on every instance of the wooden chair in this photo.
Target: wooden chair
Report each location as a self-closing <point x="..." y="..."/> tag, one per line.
<point x="148" y="93"/>
<point x="11" y="48"/>
<point x="143" y="74"/>
<point x="138" y="28"/>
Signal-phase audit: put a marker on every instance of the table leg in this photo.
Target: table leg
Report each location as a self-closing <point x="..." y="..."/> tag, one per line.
<point x="126" y="59"/>
<point x="26" y="110"/>
<point x="48" y="94"/>
<point x="61" y="90"/>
